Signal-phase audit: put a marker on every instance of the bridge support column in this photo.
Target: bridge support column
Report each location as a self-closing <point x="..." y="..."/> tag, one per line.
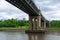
<point x="35" y="25"/>
<point x="44" y="25"/>
<point x="34" y="22"/>
<point x="38" y="22"/>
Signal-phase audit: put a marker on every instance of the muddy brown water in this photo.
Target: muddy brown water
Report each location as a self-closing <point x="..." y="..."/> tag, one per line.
<point x="5" y="35"/>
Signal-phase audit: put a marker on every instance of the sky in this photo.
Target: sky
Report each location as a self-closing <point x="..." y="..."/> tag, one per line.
<point x="50" y="9"/>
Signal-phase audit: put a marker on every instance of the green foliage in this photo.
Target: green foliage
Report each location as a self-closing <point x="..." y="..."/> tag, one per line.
<point x="55" y="24"/>
<point x="13" y="23"/>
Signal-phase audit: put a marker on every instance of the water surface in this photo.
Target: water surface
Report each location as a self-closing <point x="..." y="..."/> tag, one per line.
<point x="24" y="36"/>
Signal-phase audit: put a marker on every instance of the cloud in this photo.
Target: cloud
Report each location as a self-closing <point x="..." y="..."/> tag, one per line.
<point x="50" y="9"/>
<point x="8" y="11"/>
<point x="5" y="15"/>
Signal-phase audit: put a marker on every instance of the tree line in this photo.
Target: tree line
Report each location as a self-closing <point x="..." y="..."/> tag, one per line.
<point x="13" y="23"/>
<point x="16" y="23"/>
<point x="55" y="24"/>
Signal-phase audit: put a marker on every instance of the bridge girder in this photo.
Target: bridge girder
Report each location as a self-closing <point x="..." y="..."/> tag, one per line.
<point x="25" y="6"/>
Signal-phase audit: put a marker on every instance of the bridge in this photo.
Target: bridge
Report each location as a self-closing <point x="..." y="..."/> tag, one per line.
<point x="36" y="20"/>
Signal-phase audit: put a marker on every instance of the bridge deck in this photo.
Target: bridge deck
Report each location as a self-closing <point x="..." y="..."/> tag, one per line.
<point x="24" y="6"/>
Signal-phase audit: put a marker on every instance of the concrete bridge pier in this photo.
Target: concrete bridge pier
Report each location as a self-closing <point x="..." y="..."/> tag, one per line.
<point x="34" y="22"/>
<point x="43" y="25"/>
<point x="36" y="25"/>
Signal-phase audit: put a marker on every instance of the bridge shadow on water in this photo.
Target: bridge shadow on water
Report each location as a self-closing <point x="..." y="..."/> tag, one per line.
<point x="36" y="36"/>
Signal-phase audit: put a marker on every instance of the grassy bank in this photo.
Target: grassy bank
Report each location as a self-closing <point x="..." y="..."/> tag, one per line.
<point x="53" y="28"/>
<point x="26" y="27"/>
<point x="21" y="28"/>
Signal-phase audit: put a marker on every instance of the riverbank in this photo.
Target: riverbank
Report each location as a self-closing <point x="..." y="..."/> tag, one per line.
<point x="12" y="29"/>
<point x="53" y="29"/>
<point x="23" y="29"/>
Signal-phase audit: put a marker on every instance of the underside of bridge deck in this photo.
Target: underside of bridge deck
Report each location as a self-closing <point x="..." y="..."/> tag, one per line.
<point x="24" y="6"/>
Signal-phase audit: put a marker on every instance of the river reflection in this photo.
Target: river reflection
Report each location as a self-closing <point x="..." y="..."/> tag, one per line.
<point x="36" y="36"/>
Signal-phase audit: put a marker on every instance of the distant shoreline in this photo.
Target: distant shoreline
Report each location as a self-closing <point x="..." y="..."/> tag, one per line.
<point x="19" y="29"/>
<point x="12" y="29"/>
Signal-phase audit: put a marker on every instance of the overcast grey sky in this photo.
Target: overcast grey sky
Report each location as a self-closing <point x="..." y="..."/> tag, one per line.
<point x="50" y="9"/>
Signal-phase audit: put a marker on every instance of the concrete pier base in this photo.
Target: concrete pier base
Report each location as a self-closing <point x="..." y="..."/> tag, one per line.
<point x="35" y="31"/>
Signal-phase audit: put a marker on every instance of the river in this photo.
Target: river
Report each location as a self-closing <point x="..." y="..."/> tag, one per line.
<point x="4" y="35"/>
